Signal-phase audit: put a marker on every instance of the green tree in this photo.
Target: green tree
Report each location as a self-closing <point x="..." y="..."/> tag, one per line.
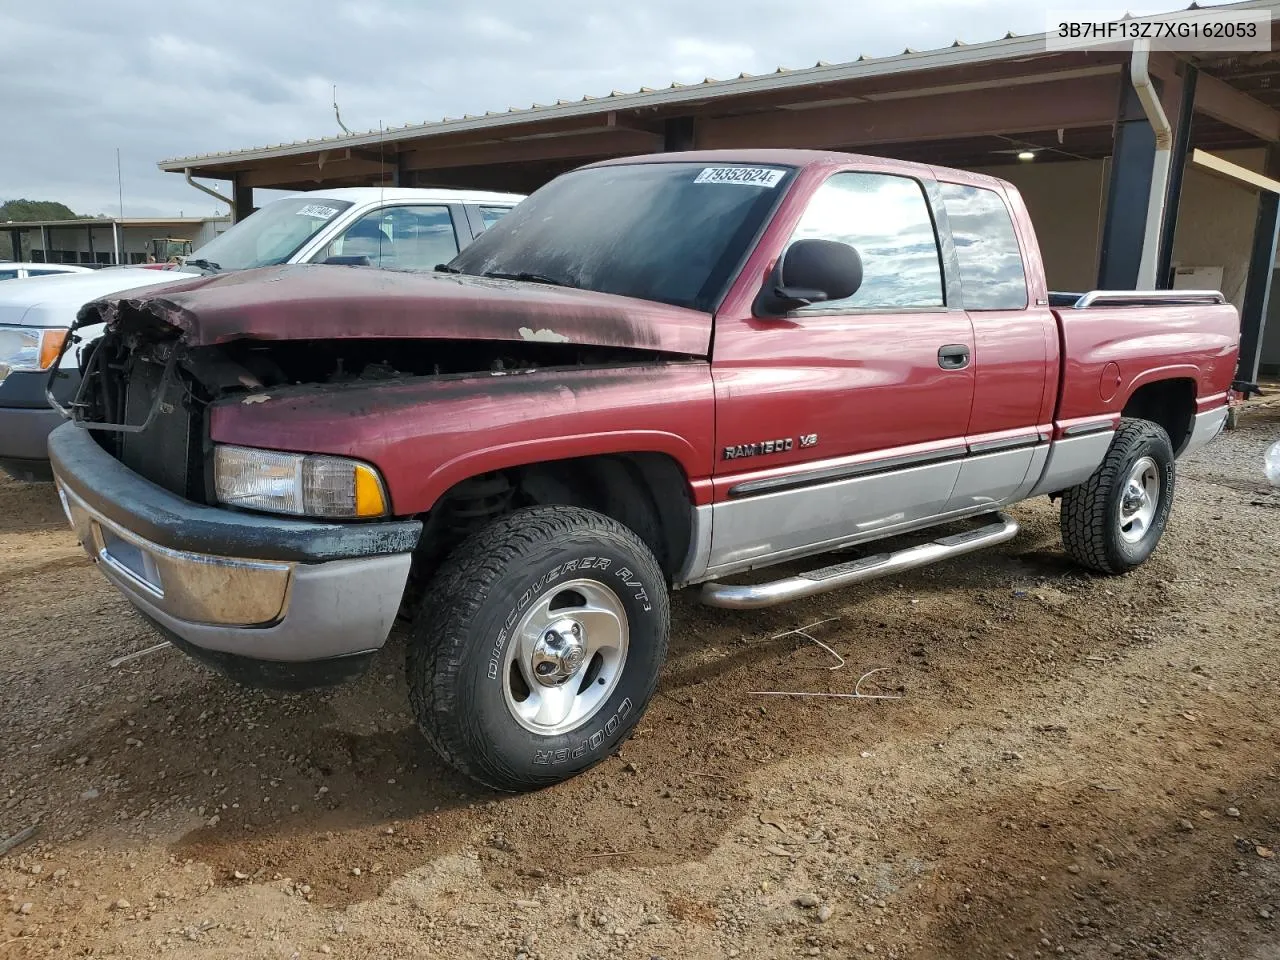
<point x="36" y="210"/>
<point x="20" y="211"/>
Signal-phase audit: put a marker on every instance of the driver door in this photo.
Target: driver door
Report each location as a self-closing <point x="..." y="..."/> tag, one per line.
<point x="846" y="419"/>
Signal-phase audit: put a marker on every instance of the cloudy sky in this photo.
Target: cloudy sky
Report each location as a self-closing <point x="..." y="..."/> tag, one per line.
<point x="79" y="79"/>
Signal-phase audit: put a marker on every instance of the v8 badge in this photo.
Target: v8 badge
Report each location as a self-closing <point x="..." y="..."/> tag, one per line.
<point x="808" y="440"/>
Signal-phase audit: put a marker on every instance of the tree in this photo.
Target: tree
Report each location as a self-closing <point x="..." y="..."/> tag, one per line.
<point x="36" y="210"/>
<point x="23" y="210"/>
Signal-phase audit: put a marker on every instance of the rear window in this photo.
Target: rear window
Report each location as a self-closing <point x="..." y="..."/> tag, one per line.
<point x="991" y="272"/>
<point x="9" y="275"/>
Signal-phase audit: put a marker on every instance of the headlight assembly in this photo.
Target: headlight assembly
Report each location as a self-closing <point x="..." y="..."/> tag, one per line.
<point x="306" y="485"/>
<point x="29" y="349"/>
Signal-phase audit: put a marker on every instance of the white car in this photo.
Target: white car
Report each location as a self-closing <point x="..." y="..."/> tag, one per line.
<point x="392" y="228"/>
<point x="19" y="271"/>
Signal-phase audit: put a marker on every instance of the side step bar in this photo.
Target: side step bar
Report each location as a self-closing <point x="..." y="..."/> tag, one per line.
<point x="754" y="596"/>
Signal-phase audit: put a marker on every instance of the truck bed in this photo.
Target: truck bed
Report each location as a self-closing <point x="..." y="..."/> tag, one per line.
<point x="1113" y="342"/>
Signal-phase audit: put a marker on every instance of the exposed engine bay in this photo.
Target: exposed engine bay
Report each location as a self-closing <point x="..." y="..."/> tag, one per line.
<point x="146" y="393"/>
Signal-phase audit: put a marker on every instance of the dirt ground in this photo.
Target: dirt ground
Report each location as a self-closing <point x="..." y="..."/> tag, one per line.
<point x="1073" y="765"/>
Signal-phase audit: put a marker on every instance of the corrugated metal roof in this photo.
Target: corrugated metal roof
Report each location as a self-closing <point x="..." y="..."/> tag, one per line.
<point x="958" y="53"/>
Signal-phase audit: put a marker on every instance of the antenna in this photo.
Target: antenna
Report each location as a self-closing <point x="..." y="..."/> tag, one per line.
<point x="115" y="231"/>
<point x="336" y="113"/>
<point x="382" y="179"/>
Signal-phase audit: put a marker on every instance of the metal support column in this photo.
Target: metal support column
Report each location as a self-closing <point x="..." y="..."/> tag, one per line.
<point x="1181" y="149"/>
<point x="1257" y="288"/>
<point x="1127" y="195"/>
<point x="241" y="200"/>
<point x="44" y="243"/>
<point x="88" y="232"/>
<point x="115" y="241"/>
<point x="679" y="133"/>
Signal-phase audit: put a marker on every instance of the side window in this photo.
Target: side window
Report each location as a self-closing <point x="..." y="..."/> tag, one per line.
<point x="8" y="274"/>
<point x="886" y="219"/>
<point x="991" y="272"/>
<point x="398" y="238"/>
<point x="43" y="273"/>
<point x="491" y="215"/>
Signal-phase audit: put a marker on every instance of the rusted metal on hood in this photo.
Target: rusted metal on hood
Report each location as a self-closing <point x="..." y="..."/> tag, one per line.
<point x="322" y="302"/>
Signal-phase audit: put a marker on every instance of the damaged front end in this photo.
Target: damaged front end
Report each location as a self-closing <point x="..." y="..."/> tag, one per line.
<point x="151" y="382"/>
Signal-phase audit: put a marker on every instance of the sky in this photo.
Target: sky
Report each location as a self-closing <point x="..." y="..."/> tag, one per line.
<point x="80" y="79"/>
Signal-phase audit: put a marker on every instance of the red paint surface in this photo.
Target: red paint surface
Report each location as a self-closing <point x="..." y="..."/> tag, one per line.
<point x="323" y="302"/>
<point x="427" y="434"/>
<point x="867" y="384"/>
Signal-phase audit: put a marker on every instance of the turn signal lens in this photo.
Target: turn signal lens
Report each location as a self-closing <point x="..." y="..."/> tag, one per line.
<point x="50" y="346"/>
<point x="371" y="500"/>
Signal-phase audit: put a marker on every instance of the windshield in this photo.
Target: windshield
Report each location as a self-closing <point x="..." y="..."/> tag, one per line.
<point x="271" y="235"/>
<point x="671" y="232"/>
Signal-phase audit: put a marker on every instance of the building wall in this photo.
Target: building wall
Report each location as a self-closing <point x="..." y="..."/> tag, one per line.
<point x="71" y="244"/>
<point x="1215" y="223"/>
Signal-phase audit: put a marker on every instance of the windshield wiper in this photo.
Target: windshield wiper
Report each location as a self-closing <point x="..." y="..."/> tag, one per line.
<point x="202" y="264"/>
<point x="529" y="278"/>
<point x="445" y="268"/>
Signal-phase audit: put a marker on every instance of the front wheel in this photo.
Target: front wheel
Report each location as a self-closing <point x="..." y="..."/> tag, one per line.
<point x="1113" y="521"/>
<point x="537" y="646"/>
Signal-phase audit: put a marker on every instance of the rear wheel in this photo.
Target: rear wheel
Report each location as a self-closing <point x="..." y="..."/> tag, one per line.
<point x="538" y="646"/>
<point x="1113" y="521"/>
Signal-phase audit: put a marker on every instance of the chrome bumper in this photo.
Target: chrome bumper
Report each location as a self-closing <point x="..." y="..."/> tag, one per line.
<point x="260" y="609"/>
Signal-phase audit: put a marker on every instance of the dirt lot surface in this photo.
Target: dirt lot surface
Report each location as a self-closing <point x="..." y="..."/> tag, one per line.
<point x="1074" y="766"/>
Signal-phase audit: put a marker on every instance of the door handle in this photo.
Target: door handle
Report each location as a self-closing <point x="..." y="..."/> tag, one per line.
<point x="953" y="356"/>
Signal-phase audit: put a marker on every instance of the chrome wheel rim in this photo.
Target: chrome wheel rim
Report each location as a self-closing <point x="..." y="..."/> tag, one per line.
<point x="565" y="657"/>
<point x="1139" y="500"/>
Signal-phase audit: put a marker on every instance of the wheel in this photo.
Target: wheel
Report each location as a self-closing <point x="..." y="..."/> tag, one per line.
<point x="537" y="646"/>
<point x="1112" y="522"/>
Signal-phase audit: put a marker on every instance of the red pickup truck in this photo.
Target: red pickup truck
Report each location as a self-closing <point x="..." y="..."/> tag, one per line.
<point x="656" y="372"/>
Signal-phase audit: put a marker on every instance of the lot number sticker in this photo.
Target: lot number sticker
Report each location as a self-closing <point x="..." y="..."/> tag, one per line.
<point x="748" y="176"/>
<point x="318" y="211"/>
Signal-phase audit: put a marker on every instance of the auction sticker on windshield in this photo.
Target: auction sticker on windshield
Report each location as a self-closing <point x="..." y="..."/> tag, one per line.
<point x="317" y="210"/>
<point x="749" y="176"/>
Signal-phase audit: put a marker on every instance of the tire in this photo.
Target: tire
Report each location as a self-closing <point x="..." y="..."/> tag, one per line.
<point x="1109" y="523"/>
<point x="501" y="610"/>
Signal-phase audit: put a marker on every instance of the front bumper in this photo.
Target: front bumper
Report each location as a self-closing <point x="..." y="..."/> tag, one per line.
<point x="270" y="600"/>
<point x="26" y="420"/>
<point x="24" y="437"/>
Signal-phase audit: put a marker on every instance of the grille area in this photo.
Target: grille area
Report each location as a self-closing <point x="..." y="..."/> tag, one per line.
<point x="124" y="382"/>
<point x="166" y="451"/>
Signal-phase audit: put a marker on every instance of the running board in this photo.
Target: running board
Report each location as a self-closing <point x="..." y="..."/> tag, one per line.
<point x="754" y="596"/>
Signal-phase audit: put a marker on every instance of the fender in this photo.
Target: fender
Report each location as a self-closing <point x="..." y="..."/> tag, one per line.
<point x="540" y="450"/>
<point x="1177" y="371"/>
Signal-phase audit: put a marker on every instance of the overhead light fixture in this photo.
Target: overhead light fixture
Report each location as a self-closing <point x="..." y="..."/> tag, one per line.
<point x="1026" y="155"/>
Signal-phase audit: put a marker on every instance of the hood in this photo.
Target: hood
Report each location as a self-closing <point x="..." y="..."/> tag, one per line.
<point x="323" y="302"/>
<point x="53" y="301"/>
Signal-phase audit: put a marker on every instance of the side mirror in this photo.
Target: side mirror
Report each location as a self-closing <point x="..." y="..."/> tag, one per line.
<point x="349" y="261"/>
<point x="812" y="271"/>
